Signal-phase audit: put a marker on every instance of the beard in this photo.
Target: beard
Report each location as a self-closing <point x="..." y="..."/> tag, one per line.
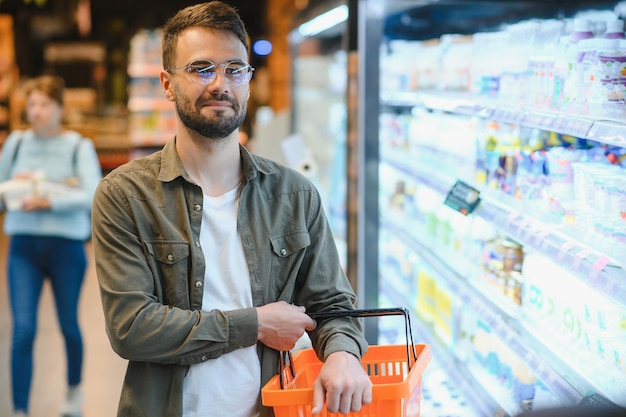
<point x="216" y="127"/>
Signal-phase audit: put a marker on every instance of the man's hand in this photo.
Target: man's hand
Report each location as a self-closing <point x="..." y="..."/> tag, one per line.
<point x="282" y="324"/>
<point x="343" y="383"/>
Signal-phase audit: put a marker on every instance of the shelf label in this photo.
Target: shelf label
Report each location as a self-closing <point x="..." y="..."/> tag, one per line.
<point x="596" y="400"/>
<point x="597" y="267"/>
<point x="523" y="225"/>
<point x="540" y="238"/>
<point x="580" y="256"/>
<point x="577" y="127"/>
<point x="565" y="247"/>
<point x="463" y="198"/>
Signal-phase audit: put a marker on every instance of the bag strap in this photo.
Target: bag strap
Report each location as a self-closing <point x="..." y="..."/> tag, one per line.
<point x="74" y="154"/>
<point x="15" y="149"/>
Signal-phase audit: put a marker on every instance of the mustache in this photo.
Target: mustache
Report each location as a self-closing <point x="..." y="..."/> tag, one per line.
<point x="219" y="97"/>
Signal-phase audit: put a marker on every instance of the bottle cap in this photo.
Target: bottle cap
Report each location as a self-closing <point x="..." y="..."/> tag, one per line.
<point x="614" y="25"/>
<point x="582" y="25"/>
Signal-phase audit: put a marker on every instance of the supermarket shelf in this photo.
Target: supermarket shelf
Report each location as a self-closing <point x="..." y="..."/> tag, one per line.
<point x="593" y="267"/>
<point x="141" y="104"/>
<point x="508" y="329"/>
<point x="456" y="369"/>
<point x="611" y="131"/>
<point x="144" y="70"/>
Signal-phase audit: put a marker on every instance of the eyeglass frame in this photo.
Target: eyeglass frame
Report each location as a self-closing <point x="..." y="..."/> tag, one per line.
<point x="223" y="65"/>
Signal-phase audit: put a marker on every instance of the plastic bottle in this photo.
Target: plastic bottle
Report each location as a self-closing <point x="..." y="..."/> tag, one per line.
<point x="541" y="61"/>
<point x="561" y="72"/>
<point x="576" y="50"/>
<point x="582" y="30"/>
<point x="516" y="60"/>
<point x="614" y="29"/>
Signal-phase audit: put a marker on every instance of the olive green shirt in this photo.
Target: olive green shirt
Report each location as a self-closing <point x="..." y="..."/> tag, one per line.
<point x="150" y="268"/>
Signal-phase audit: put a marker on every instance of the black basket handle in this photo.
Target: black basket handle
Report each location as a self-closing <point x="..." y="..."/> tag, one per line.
<point x="286" y="356"/>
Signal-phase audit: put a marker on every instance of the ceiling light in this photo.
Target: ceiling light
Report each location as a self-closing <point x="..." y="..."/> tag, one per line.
<point x="324" y="21"/>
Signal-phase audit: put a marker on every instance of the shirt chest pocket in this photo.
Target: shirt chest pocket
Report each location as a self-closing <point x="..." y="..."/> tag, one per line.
<point x="170" y="265"/>
<point x="288" y="249"/>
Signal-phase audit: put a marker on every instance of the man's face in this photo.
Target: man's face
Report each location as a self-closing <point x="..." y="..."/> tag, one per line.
<point x="217" y="109"/>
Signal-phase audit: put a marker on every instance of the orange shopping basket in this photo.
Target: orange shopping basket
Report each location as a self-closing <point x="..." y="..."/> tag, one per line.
<point x="395" y="371"/>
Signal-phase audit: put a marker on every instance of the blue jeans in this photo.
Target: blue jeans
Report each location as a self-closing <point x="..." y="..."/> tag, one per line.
<point x="31" y="260"/>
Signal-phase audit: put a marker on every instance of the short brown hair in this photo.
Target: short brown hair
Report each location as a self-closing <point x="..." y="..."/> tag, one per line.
<point x="213" y="15"/>
<point x="51" y="85"/>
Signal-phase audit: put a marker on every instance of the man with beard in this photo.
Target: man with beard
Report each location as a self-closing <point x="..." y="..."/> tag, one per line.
<point x="209" y="257"/>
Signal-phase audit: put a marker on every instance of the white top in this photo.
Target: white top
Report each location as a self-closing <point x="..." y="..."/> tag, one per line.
<point x="228" y="386"/>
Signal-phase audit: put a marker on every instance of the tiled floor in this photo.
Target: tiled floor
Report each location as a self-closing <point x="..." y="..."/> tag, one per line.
<point x="102" y="372"/>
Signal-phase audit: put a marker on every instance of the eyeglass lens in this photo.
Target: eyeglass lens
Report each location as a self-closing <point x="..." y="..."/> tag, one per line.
<point x="204" y="72"/>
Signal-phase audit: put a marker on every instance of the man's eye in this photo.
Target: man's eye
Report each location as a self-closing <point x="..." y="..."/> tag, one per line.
<point x="233" y="71"/>
<point x="203" y="70"/>
<point x="202" y="67"/>
<point x="236" y="69"/>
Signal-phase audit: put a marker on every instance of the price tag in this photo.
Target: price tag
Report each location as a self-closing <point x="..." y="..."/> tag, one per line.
<point x="463" y="198"/>
<point x="580" y="256"/>
<point x="565" y="247"/>
<point x="533" y="120"/>
<point x="601" y="262"/>
<point x="558" y="124"/>
<point x="596" y="400"/>
<point x="540" y="237"/>
<point x="500" y="115"/>
<point x="519" y="118"/>
<point x="511" y="217"/>
<point x="547" y="122"/>
<point x="523" y="224"/>
<point x="597" y="267"/>
<point x="577" y="127"/>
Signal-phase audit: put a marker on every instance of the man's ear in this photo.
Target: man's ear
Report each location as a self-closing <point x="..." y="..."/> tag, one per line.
<point x="166" y="83"/>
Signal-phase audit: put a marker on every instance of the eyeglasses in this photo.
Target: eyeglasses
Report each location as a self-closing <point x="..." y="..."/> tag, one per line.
<point x="204" y="72"/>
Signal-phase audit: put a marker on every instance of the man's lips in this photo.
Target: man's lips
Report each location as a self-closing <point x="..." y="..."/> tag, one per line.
<point x="216" y="103"/>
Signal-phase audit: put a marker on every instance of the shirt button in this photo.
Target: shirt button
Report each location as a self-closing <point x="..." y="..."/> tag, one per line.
<point x="204" y="358"/>
<point x="283" y="251"/>
<point x="198" y="284"/>
<point x="197" y="207"/>
<point x="197" y="244"/>
<point x="170" y="257"/>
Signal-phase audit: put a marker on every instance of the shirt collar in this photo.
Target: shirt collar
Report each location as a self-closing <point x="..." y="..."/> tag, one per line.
<point x="172" y="167"/>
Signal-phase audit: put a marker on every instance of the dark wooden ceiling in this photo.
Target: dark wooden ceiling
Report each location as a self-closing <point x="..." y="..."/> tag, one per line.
<point x="114" y="22"/>
<point x="150" y="13"/>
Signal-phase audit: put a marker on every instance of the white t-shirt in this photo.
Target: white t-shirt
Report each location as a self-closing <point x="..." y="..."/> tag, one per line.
<point x="228" y="386"/>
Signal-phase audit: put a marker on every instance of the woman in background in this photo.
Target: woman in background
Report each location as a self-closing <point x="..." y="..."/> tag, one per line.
<point x="53" y="174"/>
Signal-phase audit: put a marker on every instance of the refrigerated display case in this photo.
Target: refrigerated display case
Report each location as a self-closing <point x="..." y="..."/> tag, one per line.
<point x="523" y="297"/>
<point x="319" y="115"/>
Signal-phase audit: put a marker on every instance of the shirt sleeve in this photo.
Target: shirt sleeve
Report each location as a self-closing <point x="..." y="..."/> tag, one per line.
<point x="325" y="287"/>
<point x="136" y="279"/>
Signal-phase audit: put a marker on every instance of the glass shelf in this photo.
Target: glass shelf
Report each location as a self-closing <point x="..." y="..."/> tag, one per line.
<point x="508" y="328"/>
<point x="593" y="267"/>
<point x="610" y="131"/>
<point x="456" y="369"/>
